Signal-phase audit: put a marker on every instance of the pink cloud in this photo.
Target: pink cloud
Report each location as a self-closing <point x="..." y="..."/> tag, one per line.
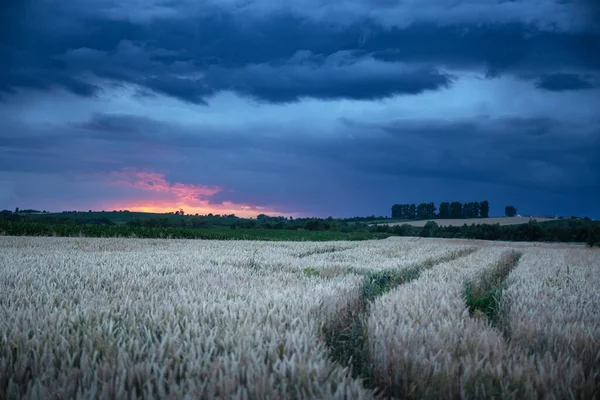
<point x="156" y="182"/>
<point x="173" y="196"/>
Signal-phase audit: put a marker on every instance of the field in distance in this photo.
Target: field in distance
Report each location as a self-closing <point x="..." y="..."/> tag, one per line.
<point x="461" y="222"/>
<point x="410" y="318"/>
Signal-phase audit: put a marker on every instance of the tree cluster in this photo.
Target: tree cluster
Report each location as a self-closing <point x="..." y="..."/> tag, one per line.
<point x="414" y="211"/>
<point x="455" y="209"/>
<point x="370" y="218"/>
<point x="28" y="211"/>
<point x="566" y="230"/>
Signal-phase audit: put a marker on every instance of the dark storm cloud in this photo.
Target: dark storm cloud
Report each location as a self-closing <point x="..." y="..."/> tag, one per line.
<point x="192" y="51"/>
<point x="192" y="57"/>
<point x="560" y="82"/>
<point x="118" y="128"/>
<point x="493" y="48"/>
<point x="258" y="166"/>
<point x="25" y="70"/>
<point x="591" y="9"/>
<point x="501" y="150"/>
<point x="508" y="151"/>
<point x="340" y="75"/>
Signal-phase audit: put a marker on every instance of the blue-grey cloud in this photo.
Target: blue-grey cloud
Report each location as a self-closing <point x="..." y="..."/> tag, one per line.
<point x="561" y="81"/>
<point x="260" y="168"/>
<point x="438" y="56"/>
<point x="341" y="75"/>
<point x="194" y="56"/>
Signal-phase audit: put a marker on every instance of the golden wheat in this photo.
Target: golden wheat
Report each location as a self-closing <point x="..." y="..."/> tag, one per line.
<point x="111" y="318"/>
<point x="424" y="344"/>
<point x="552" y="309"/>
<point x="130" y="318"/>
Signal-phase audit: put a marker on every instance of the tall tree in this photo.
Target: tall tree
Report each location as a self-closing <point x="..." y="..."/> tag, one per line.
<point x="431" y="210"/>
<point x="406" y="210"/>
<point x="445" y="210"/>
<point x="456" y="209"/>
<point x="413" y="211"/>
<point x="510" y="211"/>
<point x="484" y="211"/>
<point x="422" y="211"/>
<point x="476" y="208"/>
<point x="466" y="210"/>
<point x="397" y="211"/>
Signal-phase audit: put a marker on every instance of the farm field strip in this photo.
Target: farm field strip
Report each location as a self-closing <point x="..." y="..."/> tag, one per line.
<point x="373" y="256"/>
<point x="484" y="293"/>
<point x="423" y="332"/>
<point x="247" y="319"/>
<point x="552" y="305"/>
<point x="418" y="331"/>
<point x="292" y="256"/>
<point x="207" y="319"/>
<point x="347" y="340"/>
<point x="71" y="322"/>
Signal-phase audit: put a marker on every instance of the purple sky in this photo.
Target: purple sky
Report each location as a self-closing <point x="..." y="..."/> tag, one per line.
<point x="300" y="107"/>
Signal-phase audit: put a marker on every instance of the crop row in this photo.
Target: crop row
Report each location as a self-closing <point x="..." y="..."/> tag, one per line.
<point x="115" y="318"/>
<point x="84" y="318"/>
<point x="541" y="340"/>
<point x="552" y="305"/>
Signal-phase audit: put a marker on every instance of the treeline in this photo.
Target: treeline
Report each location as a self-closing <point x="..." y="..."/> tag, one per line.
<point x="24" y="228"/>
<point x="455" y="210"/>
<point x="371" y="218"/>
<point x="277" y="223"/>
<point x="263" y="222"/>
<point x="308" y="224"/>
<point x="574" y="231"/>
<point x="53" y="219"/>
<point x="580" y="231"/>
<point x="413" y="211"/>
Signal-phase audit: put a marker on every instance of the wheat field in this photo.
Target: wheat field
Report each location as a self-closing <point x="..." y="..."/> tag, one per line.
<point x="174" y="319"/>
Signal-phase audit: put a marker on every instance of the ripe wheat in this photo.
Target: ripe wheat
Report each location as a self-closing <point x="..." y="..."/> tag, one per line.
<point x="112" y="318"/>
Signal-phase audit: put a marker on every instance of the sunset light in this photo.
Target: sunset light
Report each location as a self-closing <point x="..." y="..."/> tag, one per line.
<point x="157" y="195"/>
<point x="300" y="199"/>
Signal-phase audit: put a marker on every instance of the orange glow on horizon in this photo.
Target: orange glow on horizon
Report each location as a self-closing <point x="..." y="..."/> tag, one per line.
<point x="223" y="209"/>
<point x="193" y="199"/>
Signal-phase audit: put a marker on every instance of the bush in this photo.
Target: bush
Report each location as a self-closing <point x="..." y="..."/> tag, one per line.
<point x="429" y="230"/>
<point x="593" y="237"/>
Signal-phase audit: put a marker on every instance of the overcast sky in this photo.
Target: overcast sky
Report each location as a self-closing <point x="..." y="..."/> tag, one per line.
<point x="299" y="107"/>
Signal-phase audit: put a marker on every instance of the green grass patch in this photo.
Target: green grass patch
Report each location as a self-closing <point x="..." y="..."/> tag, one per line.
<point x="310" y="272"/>
<point x="347" y="341"/>
<point x="380" y="282"/>
<point x="484" y="295"/>
<point x="322" y="250"/>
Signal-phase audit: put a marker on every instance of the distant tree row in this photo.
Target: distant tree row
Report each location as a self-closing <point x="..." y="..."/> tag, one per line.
<point x="456" y="209"/>
<point x="28" y="211"/>
<point x="581" y="231"/>
<point x="414" y="211"/>
<point x="369" y="218"/>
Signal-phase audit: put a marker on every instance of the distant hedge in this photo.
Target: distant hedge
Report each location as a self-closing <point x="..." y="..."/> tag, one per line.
<point x="20" y="228"/>
<point x="573" y="231"/>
